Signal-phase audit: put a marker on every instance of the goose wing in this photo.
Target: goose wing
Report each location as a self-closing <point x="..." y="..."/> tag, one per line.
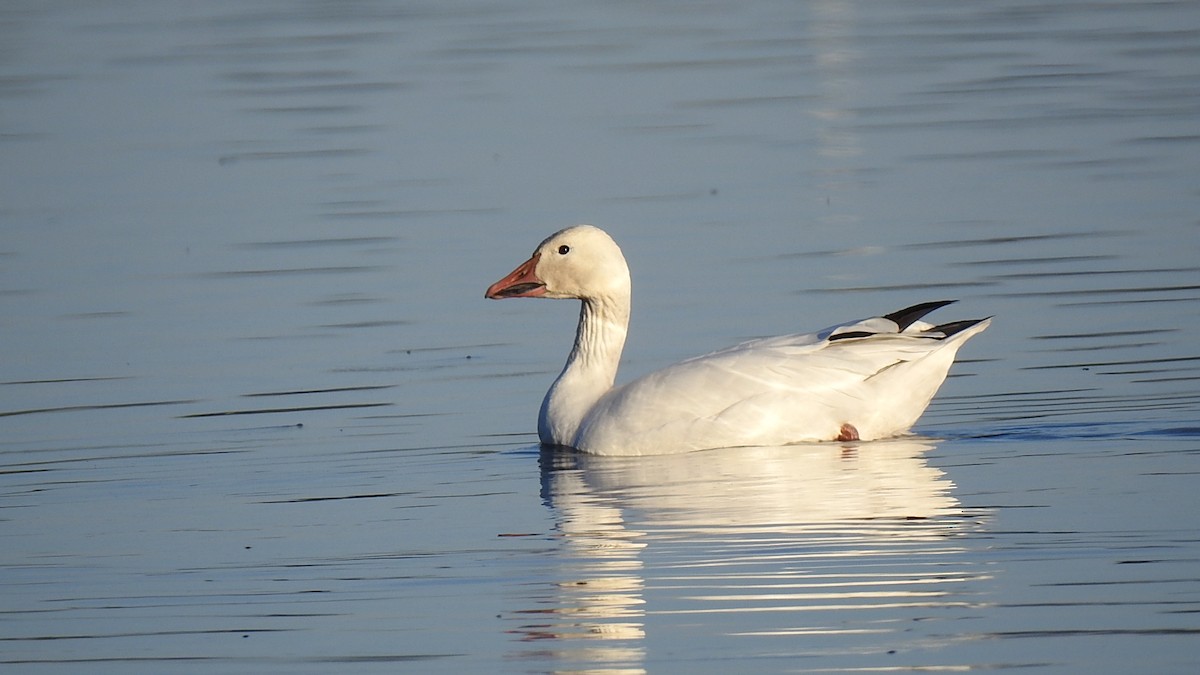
<point x="784" y="389"/>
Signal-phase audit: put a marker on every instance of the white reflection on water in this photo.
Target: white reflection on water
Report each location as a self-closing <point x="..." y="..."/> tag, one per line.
<point x="752" y="542"/>
<point x="835" y="57"/>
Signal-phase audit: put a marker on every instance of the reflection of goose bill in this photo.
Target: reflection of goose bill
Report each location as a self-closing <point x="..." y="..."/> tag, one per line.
<point x="796" y="484"/>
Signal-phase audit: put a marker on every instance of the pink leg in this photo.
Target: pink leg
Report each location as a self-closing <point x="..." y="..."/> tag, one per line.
<point x="847" y="433"/>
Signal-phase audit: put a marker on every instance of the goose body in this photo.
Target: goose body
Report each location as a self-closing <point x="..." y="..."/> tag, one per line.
<point x="860" y="380"/>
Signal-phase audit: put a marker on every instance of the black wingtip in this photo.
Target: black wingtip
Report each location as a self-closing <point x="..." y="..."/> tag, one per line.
<point x="909" y="315"/>
<point x="954" y="327"/>
<point x="850" y="335"/>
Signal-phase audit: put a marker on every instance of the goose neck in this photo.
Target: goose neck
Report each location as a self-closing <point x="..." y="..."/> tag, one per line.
<point x="600" y="337"/>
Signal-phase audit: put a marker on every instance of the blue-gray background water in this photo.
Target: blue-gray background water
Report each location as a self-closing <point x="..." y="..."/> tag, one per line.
<point x="255" y="415"/>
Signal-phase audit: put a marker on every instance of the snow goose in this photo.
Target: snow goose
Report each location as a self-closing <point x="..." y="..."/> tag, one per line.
<point x="860" y="380"/>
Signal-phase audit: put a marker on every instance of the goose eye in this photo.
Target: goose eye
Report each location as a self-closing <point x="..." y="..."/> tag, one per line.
<point x="564" y="249"/>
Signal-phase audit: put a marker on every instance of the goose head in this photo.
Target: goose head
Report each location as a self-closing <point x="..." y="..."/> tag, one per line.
<point x="580" y="262"/>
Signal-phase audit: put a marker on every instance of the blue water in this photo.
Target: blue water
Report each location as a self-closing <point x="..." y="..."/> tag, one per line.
<point x="255" y="415"/>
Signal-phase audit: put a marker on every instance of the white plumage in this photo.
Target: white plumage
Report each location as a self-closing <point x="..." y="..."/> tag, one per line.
<point x="863" y="380"/>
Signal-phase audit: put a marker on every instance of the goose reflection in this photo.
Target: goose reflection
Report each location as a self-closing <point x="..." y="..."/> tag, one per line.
<point x="789" y="540"/>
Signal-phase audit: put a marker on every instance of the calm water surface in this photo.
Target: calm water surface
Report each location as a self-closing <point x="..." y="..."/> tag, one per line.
<point x="256" y="417"/>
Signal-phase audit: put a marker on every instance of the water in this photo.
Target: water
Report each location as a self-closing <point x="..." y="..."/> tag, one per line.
<point x="256" y="416"/>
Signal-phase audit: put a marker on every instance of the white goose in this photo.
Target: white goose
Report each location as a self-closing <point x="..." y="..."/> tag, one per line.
<point x="861" y="380"/>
